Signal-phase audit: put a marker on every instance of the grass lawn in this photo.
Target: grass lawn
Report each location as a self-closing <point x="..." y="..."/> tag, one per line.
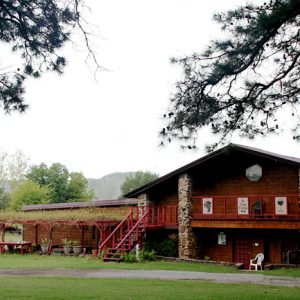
<point x="33" y="261"/>
<point x="92" y="288"/>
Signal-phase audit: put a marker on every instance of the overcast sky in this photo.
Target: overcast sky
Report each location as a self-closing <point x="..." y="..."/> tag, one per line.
<point x="112" y="124"/>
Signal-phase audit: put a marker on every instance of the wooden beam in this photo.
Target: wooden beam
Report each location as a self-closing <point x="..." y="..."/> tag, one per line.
<point x="259" y="224"/>
<point x="36" y="227"/>
<point x="3" y="232"/>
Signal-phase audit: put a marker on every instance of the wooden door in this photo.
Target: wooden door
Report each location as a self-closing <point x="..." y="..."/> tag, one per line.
<point x="242" y="250"/>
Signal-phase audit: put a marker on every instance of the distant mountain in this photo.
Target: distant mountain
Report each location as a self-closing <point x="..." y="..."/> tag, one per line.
<point x="109" y="186"/>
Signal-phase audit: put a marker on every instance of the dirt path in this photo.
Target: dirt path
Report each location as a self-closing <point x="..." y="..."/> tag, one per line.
<point x="253" y="278"/>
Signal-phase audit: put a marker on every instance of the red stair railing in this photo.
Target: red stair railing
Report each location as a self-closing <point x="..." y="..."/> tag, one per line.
<point x="117" y="233"/>
<point x="129" y="233"/>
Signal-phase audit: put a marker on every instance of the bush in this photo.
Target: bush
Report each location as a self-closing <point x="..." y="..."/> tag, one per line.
<point x="169" y="247"/>
<point x="163" y="245"/>
<point x="147" y="255"/>
<point x="130" y="257"/>
<point x="143" y="256"/>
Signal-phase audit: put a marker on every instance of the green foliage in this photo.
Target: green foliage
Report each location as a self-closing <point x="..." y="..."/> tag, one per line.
<point x="137" y="180"/>
<point x="67" y="242"/>
<point x="144" y="255"/>
<point x="36" y="31"/>
<point x="162" y="245"/>
<point x="72" y="215"/>
<point x="147" y="255"/>
<point x="130" y="257"/>
<point x="243" y="82"/>
<point x="78" y="187"/>
<point x="65" y="186"/>
<point x="29" y="193"/>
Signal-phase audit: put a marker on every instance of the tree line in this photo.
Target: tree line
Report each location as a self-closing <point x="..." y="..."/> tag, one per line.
<point x="21" y="183"/>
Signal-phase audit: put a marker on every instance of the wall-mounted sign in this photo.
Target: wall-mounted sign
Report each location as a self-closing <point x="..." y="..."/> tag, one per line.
<point x="254" y="173"/>
<point x="280" y="205"/>
<point x="207" y="206"/>
<point x="243" y="206"/>
<point x="221" y="238"/>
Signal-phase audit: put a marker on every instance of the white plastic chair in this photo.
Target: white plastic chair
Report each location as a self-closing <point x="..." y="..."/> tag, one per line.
<point x="257" y="262"/>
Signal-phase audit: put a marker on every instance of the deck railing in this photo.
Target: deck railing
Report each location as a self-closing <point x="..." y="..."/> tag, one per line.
<point x="246" y="207"/>
<point x="165" y="216"/>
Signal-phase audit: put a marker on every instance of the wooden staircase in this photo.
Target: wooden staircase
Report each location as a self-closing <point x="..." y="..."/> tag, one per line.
<point x="125" y="236"/>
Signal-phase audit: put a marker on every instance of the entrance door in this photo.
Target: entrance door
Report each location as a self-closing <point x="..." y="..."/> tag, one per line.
<point x="242" y="251"/>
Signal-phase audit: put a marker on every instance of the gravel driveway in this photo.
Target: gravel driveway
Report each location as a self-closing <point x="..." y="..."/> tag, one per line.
<point x="253" y="278"/>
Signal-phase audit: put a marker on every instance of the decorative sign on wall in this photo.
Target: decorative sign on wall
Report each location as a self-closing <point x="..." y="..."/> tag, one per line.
<point x="221" y="238"/>
<point x="243" y="206"/>
<point x="207" y="206"/>
<point x="280" y="205"/>
<point x="254" y="173"/>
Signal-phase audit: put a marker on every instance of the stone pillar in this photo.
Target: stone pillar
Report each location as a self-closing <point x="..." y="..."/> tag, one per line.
<point x="143" y="200"/>
<point x="187" y="245"/>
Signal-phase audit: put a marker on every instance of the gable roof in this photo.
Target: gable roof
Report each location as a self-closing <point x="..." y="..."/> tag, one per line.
<point x="241" y="148"/>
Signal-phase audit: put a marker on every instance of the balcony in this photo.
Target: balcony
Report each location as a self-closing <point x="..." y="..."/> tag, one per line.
<point x="254" y="207"/>
<point x="157" y="216"/>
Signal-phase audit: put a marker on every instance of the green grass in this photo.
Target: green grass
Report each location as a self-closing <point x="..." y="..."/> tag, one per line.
<point x="92" y="288"/>
<point x="16" y="261"/>
<point x="291" y="272"/>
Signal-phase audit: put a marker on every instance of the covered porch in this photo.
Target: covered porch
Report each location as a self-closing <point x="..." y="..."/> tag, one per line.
<point x="85" y="226"/>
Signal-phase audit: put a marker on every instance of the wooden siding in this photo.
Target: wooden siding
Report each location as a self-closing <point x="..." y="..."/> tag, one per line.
<point x="272" y="243"/>
<point x="61" y="232"/>
<point x="229" y="178"/>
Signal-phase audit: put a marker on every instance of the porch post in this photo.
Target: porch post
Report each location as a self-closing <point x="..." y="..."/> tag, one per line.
<point x="143" y="200"/>
<point x="187" y="246"/>
<point x="143" y="203"/>
<point x="3" y="232"/>
<point x="82" y="229"/>
<point x="36" y="226"/>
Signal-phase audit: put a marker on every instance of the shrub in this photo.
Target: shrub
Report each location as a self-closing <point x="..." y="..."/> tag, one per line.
<point x="130" y="257"/>
<point x="163" y="245"/>
<point x="67" y="242"/>
<point x="168" y="247"/>
<point x="44" y="241"/>
<point x="147" y="255"/>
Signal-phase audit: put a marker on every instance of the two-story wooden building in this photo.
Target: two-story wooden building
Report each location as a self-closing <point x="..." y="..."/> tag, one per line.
<point x="231" y="204"/>
<point x="228" y="205"/>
